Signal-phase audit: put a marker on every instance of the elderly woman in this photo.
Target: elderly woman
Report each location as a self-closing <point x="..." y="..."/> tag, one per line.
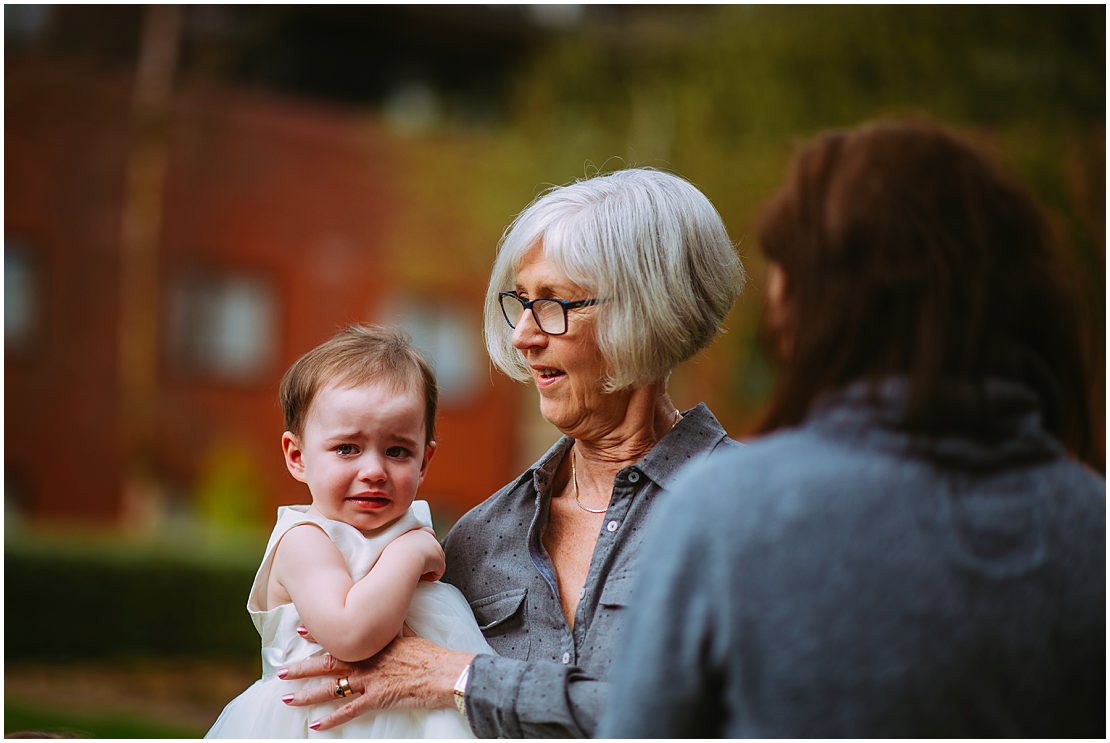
<point x="599" y="290"/>
<point x="916" y="551"/>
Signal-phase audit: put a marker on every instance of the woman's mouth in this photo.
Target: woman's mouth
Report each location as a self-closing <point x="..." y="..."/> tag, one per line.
<point x="546" y="375"/>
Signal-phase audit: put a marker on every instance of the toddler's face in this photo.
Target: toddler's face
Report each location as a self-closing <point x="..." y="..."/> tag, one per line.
<point x="362" y="453"/>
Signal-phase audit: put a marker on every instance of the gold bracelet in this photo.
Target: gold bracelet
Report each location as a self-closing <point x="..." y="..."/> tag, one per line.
<point x="460" y="690"/>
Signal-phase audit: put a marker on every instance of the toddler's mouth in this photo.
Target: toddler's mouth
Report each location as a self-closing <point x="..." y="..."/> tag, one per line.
<point x="372" y="501"/>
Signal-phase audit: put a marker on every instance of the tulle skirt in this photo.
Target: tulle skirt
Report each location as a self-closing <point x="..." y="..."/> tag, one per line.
<point x="259" y="713"/>
<point x="438" y="612"/>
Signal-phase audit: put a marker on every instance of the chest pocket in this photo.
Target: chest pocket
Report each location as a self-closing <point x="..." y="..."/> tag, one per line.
<point x="609" y="620"/>
<point x="501" y="619"/>
<point x="617" y="591"/>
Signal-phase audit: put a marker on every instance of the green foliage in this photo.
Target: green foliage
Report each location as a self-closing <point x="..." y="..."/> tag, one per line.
<point x="772" y="71"/>
<point x="722" y="94"/>
<point x="229" y="494"/>
<point x="89" y="601"/>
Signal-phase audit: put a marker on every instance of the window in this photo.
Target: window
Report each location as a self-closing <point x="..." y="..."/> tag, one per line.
<point x="223" y="326"/>
<point x="24" y="24"/>
<point x="449" y="338"/>
<point x="21" y="295"/>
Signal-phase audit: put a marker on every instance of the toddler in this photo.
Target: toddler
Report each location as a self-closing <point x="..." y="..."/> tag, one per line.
<point x="362" y="560"/>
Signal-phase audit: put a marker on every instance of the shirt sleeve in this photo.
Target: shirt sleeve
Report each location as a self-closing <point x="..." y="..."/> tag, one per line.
<point x="667" y="679"/>
<point x="509" y="698"/>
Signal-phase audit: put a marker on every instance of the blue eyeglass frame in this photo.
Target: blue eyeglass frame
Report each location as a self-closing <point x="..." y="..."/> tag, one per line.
<point x="529" y="305"/>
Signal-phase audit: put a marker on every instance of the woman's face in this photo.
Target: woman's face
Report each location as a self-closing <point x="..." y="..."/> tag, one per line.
<point x="568" y="369"/>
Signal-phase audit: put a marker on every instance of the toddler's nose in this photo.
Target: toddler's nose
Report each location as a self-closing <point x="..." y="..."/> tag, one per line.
<point x="372" y="469"/>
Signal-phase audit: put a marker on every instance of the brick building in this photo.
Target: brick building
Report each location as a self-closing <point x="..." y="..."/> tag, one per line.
<point x="269" y="227"/>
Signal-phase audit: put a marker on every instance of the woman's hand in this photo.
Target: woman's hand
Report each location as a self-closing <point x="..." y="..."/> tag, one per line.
<point x="410" y="673"/>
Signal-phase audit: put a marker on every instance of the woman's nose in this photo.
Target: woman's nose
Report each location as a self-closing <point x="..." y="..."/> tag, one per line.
<point x="527" y="333"/>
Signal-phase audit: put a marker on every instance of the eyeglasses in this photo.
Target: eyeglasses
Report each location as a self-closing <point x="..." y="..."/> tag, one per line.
<point x="550" y="314"/>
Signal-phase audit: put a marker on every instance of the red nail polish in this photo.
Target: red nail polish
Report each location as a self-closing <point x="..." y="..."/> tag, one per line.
<point x="283" y="673"/>
<point x="287" y="698"/>
<point x="315" y="725"/>
<point x="302" y="630"/>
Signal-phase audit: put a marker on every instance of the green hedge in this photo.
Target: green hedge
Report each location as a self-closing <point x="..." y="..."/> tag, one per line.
<point x="68" y="723"/>
<point x="111" y="600"/>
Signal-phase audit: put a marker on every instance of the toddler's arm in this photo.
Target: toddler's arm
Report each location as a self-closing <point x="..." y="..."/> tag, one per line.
<point x="353" y="621"/>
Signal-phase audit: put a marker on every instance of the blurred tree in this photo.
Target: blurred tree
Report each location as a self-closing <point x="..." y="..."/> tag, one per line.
<point x="487" y="104"/>
<point x="720" y="94"/>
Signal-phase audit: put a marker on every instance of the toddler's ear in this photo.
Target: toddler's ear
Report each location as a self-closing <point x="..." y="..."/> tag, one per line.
<point x="429" y="452"/>
<point x="294" y="458"/>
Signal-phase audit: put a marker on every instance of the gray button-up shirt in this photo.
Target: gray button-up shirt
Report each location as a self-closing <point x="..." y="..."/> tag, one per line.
<point x="548" y="680"/>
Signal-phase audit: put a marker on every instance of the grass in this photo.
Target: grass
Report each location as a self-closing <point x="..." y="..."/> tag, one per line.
<point x="21" y="716"/>
<point x="120" y="698"/>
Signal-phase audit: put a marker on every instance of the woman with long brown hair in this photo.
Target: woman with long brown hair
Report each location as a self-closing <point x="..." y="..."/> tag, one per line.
<point x="916" y="548"/>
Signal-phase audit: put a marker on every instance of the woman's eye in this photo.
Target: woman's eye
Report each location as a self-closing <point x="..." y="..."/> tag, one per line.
<point x="346" y="450"/>
<point x="398" y="452"/>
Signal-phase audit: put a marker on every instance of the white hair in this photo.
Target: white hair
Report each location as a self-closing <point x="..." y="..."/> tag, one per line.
<point x="650" y="246"/>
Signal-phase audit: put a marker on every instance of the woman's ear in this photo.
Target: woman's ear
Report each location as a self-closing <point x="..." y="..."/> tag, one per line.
<point x="778" y="309"/>
<point x="294" y="457"/>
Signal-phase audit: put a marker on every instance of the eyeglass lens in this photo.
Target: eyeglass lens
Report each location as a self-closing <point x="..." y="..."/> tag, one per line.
<point x="549" y="314"/>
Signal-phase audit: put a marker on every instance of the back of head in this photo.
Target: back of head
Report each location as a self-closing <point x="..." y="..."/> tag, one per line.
<point x="358" y="354"/>
<point x="907" y="252"/>
<point x="650" y="245"/>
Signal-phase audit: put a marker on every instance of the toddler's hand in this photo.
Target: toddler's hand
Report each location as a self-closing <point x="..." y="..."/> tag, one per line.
<point x="423" y="545"/>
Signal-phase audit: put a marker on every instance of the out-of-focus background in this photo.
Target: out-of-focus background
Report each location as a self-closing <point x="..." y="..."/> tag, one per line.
<point x="196" y="195"/>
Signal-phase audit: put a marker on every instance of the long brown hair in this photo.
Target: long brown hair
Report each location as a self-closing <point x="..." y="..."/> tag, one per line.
<point x="908" y="252"/>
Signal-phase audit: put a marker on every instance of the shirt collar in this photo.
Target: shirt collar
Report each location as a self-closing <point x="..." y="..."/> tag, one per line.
<point x="695" y="436"/>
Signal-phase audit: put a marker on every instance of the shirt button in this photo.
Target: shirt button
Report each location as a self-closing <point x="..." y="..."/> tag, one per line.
<point x="566" y="658"/>
<point x="633" y="476"/>
<point x="611" y="526"/>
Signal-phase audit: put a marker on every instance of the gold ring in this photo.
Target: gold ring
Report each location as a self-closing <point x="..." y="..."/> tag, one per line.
<point x="343" y="688"/>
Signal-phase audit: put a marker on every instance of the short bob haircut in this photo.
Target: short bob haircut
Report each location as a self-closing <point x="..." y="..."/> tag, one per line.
<point x="645" y="242"/>
<point x="907" y="252"/>
<point x="357" y="355"/>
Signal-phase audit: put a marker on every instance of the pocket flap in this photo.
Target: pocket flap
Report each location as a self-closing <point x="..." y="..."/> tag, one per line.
<point x="498" y="608"/>
<point x="617" y="589"/>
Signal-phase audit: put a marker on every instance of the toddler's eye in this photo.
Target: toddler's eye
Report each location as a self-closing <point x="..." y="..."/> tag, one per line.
<point x="398" y="452"/>
<point x="346" y="450"/>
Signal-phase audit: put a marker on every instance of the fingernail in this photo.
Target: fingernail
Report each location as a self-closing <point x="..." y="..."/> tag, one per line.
<point x="315" y="725"/>
<point x="288" y="698"/>
<point x="302" y="630"/>
<point x="283" y="673"/>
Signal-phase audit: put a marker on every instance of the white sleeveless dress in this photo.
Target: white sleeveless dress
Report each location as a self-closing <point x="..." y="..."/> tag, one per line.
<point x="439" y="612"/>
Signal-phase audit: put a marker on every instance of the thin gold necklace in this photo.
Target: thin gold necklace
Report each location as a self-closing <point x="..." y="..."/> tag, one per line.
<point x="574" y="472"/>
<point x="574" y="479"/>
